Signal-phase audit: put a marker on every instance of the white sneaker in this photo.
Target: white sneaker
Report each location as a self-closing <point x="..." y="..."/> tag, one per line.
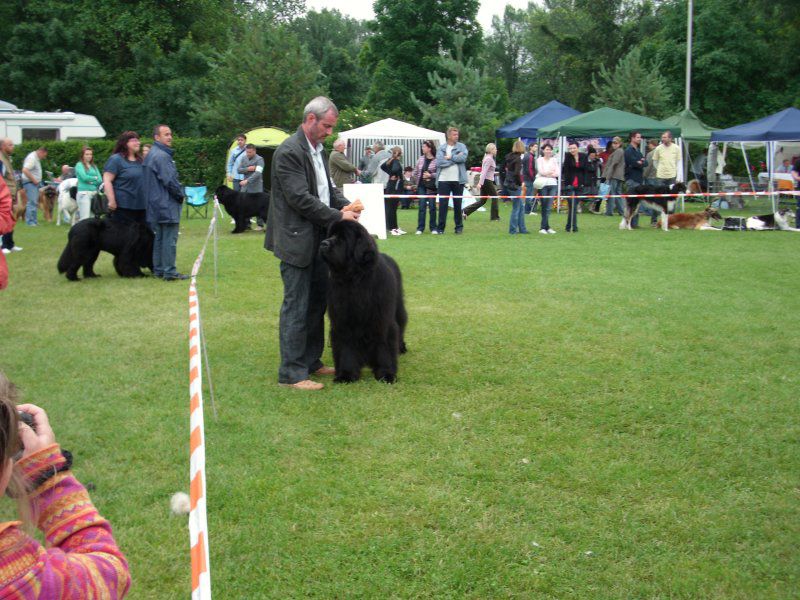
<point x="550" y="231"/>
<point x="400" y="231"/>
<point x="418" y="232"/>
<point x="6" y="251"/>
<point x="396" y="232"/>
<point x="434" y="232"/>
<point x="544" y="231"/>
<point x="534" y="213"/>
<point x="17" y="249"/>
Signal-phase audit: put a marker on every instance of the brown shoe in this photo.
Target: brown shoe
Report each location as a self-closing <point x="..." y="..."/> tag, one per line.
<point x="306" y="384"/>
<point x="325" y="371"/>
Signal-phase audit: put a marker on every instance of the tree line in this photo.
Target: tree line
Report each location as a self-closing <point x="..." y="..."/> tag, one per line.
<point x="215" y="67"/>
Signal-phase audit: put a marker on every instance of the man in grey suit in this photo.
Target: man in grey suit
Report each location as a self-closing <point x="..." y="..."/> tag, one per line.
<point x="251" y="168"/>
<point x="304" y="203"/>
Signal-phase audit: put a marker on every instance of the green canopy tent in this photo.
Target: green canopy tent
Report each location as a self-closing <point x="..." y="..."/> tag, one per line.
<point x="266" y="140"/>
<point x="692" y="130"/>
<point x="604" y="122"/>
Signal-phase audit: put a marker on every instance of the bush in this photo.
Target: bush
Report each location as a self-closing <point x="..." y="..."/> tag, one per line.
<point x="199" y="160"/>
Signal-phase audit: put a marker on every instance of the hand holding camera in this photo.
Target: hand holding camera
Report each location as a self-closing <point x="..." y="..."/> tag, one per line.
<point x="35" y="432"/>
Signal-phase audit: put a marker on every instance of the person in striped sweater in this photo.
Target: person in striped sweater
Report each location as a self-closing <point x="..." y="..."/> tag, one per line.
<point x="81" y="560"/>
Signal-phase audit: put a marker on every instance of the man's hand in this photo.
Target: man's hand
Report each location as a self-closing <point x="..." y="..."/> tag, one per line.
<point x="230" y="178"/>
<point x="251" y="168"/>
<point x="349" y="215"/>
<point x="112" y="204"/>
<point x="243" y="183"/>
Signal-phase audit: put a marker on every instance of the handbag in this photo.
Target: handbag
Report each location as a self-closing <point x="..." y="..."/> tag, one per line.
<point x="604" y="189"/>
<point x="538" y="183"/>
<point x="99" y="205"/>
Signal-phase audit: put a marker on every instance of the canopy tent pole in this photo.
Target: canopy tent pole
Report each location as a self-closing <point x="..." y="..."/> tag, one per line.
<point x="689" y="53"/>
<point x="747" y="166"/>
<point x="561" y="142"/>
<point x="770" y="169"/>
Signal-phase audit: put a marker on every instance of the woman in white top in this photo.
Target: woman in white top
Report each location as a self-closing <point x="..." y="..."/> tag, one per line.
<point x="547" y="169"/>
<point x="486" y="184"/>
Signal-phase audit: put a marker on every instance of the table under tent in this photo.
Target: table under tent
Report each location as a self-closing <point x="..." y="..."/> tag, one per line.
<point x="779" y="130"/>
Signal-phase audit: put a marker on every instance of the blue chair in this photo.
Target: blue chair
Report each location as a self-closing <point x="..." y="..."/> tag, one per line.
<point x="196" y="201"/>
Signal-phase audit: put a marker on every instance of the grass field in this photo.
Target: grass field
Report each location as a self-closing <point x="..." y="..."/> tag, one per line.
<point x="597" y="415"/>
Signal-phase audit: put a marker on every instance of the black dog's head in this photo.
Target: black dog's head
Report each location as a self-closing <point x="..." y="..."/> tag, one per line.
<point x="349" y="249"/>
<point x="224" y="195"/>
<point x="678" y="188"/>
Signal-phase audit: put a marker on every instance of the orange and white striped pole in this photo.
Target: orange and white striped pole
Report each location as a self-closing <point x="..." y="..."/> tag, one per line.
<point x="198" y="521"/>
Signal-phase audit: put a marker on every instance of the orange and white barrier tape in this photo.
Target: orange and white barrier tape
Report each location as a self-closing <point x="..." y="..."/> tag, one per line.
<point x="198" y="522"/>
<point x="596" y="196"/>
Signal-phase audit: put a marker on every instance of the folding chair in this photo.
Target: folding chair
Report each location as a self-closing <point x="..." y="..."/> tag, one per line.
<point x="196" y="201"/>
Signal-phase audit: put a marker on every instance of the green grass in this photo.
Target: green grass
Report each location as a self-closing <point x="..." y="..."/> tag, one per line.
<point x="602" y="415"/>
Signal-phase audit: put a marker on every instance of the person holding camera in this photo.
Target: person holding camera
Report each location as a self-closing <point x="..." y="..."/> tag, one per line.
<point x="81" y="559"/>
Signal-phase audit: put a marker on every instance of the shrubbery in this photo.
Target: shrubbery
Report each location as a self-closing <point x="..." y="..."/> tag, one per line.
<point x="199" y="160"/>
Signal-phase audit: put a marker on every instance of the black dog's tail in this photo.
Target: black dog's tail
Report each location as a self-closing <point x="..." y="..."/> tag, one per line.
<point x="64" y="261"/>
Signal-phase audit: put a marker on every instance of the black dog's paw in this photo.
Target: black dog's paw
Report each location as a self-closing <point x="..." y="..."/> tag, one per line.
<point x="403" y="348"/>
<point x="90" y="275"/>
<point x="386" y="377"/>
<point x="346" y="377"/>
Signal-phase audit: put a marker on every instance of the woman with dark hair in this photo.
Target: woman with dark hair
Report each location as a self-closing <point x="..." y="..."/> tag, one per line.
<point x="122" y="178"/>
<point x="394" y="187"/>
<point x="88" y="181"/>
<point x="547" y="169"/>
<point x="425" y="176"/>
<point x="512" y="185"/>
<point x="573" y="178"/>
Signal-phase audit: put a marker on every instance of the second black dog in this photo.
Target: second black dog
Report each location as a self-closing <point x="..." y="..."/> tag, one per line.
<point x="242" y="207"/>
<point x="130" y="243"/>
<point x="365" y="304"/>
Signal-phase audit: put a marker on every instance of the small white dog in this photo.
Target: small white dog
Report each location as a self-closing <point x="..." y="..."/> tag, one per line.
<point x="67" y="206"/>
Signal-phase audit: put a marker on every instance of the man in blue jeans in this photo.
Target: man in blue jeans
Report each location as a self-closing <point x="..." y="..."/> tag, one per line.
<point x="451" y="176"/>
<point x="164" y="195"/>
<point x="31" y="179"/>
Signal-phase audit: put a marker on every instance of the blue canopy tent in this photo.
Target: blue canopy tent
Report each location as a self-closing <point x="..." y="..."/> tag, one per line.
<point x="783" y="126"/>
<point x="527" y="126"/>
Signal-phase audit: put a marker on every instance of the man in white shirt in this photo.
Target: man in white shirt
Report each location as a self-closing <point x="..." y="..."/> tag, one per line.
<point x="451" y="176"/>
<point x="666" y="157"/>
<point x="31" y="178"/>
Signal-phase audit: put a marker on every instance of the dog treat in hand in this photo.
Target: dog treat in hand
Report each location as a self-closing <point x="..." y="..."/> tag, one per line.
<point x="355" y="207"/>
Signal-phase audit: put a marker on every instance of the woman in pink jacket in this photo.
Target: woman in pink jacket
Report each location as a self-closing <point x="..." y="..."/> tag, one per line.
<point x="486" y="184"/>
<point x="81" y="560"/>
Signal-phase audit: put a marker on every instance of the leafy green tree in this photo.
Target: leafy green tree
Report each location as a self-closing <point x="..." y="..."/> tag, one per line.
<point x="634" y="87"/>
<point x="464" y="97"/>
<point x="505" y="49"/>
<point x="265" y="78"/>
<point x="408" y="35"/>
<point x="334" y="42"/>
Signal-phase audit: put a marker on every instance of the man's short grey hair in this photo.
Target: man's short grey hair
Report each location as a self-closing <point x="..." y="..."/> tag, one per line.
<point x="379" y="146"/>
<point x="340" y="142"/>
<point x="319" y="107"/>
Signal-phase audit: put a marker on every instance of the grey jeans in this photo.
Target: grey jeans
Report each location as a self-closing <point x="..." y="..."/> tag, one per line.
<point x="302" y="320"/>
<point x="165" y="248"/>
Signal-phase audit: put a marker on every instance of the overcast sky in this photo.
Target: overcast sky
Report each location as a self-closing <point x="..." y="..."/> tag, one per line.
<point x="362" y="9"/>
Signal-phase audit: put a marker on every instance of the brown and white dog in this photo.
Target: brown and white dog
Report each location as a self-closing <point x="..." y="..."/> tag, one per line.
<point x="777" y="221"/>
<point x="697" y="220"/>
<point x="20" y="204"/>
<point x="652" y="201"/>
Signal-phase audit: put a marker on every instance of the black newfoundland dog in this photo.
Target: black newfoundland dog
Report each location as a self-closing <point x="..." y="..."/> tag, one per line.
<point x="241" y="206"/>
<point x="365" y="304"/>
<point x="130" y="243"/>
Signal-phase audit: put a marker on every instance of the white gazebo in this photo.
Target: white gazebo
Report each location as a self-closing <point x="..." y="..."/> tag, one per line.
<point x="392" y="133"/>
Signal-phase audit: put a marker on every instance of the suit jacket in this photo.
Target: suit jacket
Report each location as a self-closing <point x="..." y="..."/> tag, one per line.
<point x="255" y="180"/>
<point x="298" y="220"/>
<point x="342" y="170"/>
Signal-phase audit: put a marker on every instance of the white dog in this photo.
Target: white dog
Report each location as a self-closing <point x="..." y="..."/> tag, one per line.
<point x="775" y="221"/>
<point x="67" y="205"/>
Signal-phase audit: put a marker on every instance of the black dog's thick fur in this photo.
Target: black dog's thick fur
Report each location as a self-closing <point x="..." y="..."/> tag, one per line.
<point x="662" y="205"/>
<point x="365" y="304"/>
<point x="241" y="206"/>
<point x="130" y="243"/>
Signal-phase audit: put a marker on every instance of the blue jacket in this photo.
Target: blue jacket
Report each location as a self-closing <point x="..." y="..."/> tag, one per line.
<point x="634" y="171"/>
<point x="160" y="186"/>
<point x="459" y="158"/>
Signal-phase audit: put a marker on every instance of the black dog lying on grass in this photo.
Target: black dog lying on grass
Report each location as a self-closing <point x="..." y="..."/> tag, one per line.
<point x="130" y="243"/>
<point x="365" y="304"/>
<point x="242" y="206"/>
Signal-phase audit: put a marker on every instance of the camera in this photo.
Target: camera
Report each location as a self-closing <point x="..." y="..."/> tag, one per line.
<point x="26" y="418"/>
